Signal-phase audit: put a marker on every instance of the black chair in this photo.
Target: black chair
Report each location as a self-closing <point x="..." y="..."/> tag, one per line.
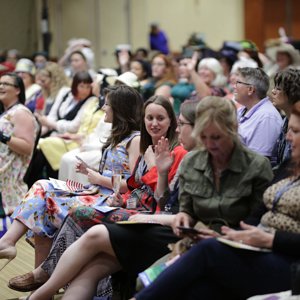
<point x="29" y="169"/>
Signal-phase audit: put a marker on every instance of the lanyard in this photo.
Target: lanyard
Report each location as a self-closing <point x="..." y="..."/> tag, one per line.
<point x="282" y="190"/>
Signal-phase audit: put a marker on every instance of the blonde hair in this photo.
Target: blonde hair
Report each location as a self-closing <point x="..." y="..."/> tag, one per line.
<point x="219" y="111"/>
<point x="58" y="78"/>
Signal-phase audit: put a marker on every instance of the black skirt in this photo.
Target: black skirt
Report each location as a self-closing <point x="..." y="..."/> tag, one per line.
<point x="137" y="246"/>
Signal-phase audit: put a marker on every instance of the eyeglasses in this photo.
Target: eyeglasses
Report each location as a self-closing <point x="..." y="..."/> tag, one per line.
<point x="241" y="82"/>
<point x="6" y="84"/>
<point x="180" y="123"/>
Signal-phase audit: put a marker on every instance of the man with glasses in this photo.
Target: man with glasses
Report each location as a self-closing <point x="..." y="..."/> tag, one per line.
<point x="259" y="121"/>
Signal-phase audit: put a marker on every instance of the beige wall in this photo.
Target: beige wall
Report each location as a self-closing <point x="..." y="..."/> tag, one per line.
<point x="110" y="22"/>
<point x="18" y="28"/>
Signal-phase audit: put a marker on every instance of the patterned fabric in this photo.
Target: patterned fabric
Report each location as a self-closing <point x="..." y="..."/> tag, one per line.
<point x="282" y="202"/>
<point x="44" y="208"/>
<point x="69" y="233"/>
<point x="13" y="166"/>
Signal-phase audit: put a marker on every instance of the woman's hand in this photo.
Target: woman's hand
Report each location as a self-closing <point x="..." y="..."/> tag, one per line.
<point x="149" y="158"/>
<point x="115" y="200"/>
<point x="182" y="219"/>
<point x="93" y="176"/>
<point x="250" y="235"/>
<point x="192" y="62"/>
<point x="81" y="168"/>
<point x="163" y="158"/>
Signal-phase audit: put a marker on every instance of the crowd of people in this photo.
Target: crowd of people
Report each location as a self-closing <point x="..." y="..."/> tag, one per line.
<point x="104" y="170"/>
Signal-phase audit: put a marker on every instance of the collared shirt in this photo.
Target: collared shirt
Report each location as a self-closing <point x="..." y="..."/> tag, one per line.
<point x="260" y="126"/>
<point x="241" y="186"/>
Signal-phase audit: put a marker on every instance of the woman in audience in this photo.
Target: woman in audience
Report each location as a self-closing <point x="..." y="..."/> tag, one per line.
<point x="231" y="180"/>
<point x="183" y="89"/>
<point x="65" y="116"/>
<point x="26" y="70"/>
<point x="52" y="79"/>
<point x="163" y="77"/>
<point x="43" y="208"/>
<point x="218" y="271"/>
<point x="80" y="219"/>
<point x="209" y="79"/>
<point x="285" y="94"/>
<point x="18" y="129"/>
<point x="142" y="69"/>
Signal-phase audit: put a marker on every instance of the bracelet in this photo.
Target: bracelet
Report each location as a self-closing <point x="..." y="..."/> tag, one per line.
<point x="4" y="138"/>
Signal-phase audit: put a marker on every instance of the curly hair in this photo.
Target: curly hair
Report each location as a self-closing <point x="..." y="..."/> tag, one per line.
<point x="57" y="76"/>
<point x="289" y="82"/>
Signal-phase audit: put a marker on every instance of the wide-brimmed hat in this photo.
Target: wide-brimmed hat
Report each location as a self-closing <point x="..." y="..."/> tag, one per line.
<point x="287" y="48"/>
<point x="25" y="65"/>
<point x="128" y="78"/>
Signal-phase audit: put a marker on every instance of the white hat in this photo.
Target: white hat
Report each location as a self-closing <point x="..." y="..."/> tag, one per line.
<point x="128" y="78"/>
<point x="288" y="48"/>
<point x="125" y="47"/>
<point x="25" y="65"/>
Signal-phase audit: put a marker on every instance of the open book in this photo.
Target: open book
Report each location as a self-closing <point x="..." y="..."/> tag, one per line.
<point x="73" y="187"/>
<point x="241" y="245"/>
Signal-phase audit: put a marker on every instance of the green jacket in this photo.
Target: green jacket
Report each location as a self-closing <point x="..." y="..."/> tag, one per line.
<point x="241" y="186"/>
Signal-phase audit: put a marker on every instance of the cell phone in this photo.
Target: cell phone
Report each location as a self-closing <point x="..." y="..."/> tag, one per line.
<point x="188" y="230"/>
<point x="82" y="161"/>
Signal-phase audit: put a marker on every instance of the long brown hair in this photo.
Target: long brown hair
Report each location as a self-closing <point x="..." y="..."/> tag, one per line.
<point x="126" y="104"/>
<point x="146" y="139"/>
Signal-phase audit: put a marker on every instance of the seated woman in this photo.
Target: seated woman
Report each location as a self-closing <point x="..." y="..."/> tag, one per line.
<point x="163" y="77"/>
<point x="218" y="271"/>
<point x="66" y="115"/>
<point x="183" y="89"/>
<point x="285" y="94"/>
<point x="43" y="208"/>
<point x="209" y="79"/>
<point x="52" y="79"/>
<point x="18" y="129"/>
<point x="81" y="219"/>
<point x="26" y="70"/>
<point x="232" y="178"/>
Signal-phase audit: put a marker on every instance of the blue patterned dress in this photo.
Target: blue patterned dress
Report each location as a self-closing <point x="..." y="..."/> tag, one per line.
<point x="44" y="208"/>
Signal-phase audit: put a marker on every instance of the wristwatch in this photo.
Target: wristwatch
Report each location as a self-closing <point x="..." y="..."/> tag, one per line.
<point x="4" y="138"/>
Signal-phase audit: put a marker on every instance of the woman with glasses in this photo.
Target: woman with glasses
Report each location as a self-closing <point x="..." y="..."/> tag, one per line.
<point x="18" y="129"/>
<point x="285" y="94"/>
<point x="222" y="181"/>
<point x="45" y="206"/>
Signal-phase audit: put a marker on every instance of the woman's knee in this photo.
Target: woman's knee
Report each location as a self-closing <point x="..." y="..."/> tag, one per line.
<point x="97" y="234"/>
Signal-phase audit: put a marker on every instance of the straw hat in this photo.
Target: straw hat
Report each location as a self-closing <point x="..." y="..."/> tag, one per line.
<point x="286" y="48"/>
<point x="128" y="78"/>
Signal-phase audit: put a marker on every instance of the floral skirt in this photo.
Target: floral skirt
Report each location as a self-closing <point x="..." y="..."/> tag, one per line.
<point x="44" y="208"/>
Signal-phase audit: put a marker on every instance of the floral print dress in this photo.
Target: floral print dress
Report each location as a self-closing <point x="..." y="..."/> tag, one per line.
<point x="13" y="166"/>
<point x="44" y="208"/>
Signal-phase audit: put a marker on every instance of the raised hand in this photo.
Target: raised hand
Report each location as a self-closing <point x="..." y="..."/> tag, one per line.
<point x="163" y="157"/>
